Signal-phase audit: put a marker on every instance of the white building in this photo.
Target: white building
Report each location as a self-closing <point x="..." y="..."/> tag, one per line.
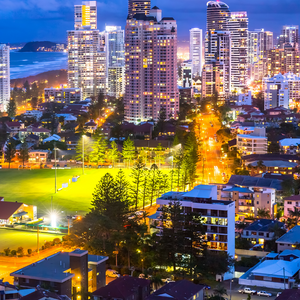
<point x="113" y="42"/>
<point x="86" y="61"/>
<point x="62" y="95"/>
<point x="186" y="73"/>
<point x="238" y="27"/>
<point x="290" y="145"/>
<point x="275" y="271"/>
<point x="255" y="143"/>
<point x="243" y="99"/>
<point x="196" y="51"/>
<point x="4" y="77"/>
<point x="218" y="216"/>
<point x="34" y="114"/>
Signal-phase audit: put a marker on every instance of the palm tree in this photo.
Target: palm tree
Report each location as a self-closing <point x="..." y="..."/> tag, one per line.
<point x="260" y="165"/>
<point x="263" y="213"/>
<point x="220" y="291"/>
<point x="290" y="223"/>
<point x="295" y="214"/>
<point x="156" y="281"/>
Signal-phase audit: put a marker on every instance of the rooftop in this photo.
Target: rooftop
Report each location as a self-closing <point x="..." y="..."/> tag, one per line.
<point x="289" y="142"/>
<point x="7" y="209"/>
<point x="291" y="237"/>
<point x="264" y="225"/>
<point x="289" y="295"/>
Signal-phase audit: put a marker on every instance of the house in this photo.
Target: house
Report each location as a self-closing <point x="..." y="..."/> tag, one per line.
<point x="52" y="138"/>
<point x="40" y="132"/>
<point x="261" y="230"/>
<point x="34" y="114"/>
<point x="290" y="145"/>
<point x="124" y="288"/>
<point x="179" y="290"/>
<point x="290" y="294"/>
<point x="14" y="212"/>
<point x="65" y="272"/>
<point x="41" y="294"/>
<point x="290" y="203"/>
<point x="13" y="128"/>
<point x="218" y="216"/>
<point x="276" y="271"/>
<point x="254" y="143"/>
<point x="9" y="291"/>
<point x="290" y="240"/>
<point x="91" y="126"/>
<point x="38" y="156"/>
<point x="250" y="194"/>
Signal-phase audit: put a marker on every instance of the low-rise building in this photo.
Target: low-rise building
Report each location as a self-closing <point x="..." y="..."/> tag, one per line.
<point x="276" y="271"/>
<point x="13" y="128"/>
<point x="182" y="289"/>
<point x="65" y="273"/>
<point x="218" y="216"/>
<point x="63" y="95"/>
<point x="41" y="132"/>
<point x="254" y="143"/>
<point x="90" y="126"/>
<point x="124" y="288"/>
<point x="290" y="240"/>
<point x="38" y="156"/>
<point x="261" y="230"/>
<point x="290" y="145"/>
<point x="15" y="212"/>
<point x="34" y="114"/>
<point x="290" y="203"/>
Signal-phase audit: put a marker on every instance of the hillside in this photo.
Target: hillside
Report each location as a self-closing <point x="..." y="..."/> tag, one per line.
<point x="33" y="46"/>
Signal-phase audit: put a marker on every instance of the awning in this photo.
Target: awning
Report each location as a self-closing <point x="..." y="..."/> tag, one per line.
<point x="20" y="214"/>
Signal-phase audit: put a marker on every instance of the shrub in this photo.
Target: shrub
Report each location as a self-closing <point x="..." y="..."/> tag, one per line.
<point x="47" y="245"/>
<point x="29" y="251"/>
<point x="13" y="252"/>
<point x="7" y="251"/>
<point x="20" y="251"/>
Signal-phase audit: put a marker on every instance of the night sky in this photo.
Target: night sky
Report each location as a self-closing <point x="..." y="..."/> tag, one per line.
<point x="32" y="20"/>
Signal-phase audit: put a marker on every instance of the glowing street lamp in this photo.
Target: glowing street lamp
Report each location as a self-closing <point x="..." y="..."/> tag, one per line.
<point x="83" y="154"/>
<point x="53" y="220"/>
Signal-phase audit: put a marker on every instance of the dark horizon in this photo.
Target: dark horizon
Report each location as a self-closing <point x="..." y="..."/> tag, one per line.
<point x="31" y="20"/>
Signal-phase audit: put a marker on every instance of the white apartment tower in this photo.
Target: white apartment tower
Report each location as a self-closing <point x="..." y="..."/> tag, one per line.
<point x="196" y="51"/>
<point x="150" y="67"/>
<point x="86" y="61"/>
<point x="4" y="77"/>
<point x="238" y="26"/>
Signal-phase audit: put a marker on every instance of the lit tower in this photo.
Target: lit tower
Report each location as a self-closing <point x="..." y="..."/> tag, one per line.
<point x="138" y="7"/>
<point x="4" y="77"/>
<point x="217" y="16"/>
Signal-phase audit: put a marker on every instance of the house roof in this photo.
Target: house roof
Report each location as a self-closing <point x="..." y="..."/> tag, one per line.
<point x="244" y="180"/>
<point x="291" y="237"/>
<point x="277" y="268"/>
<point x="270" y="156"/>
<point x="13" y="124"/>
<point x="121" y="288"/>
<point x="7" y="209"/>
<point x="292" y="198"/>
<point x="34" y="129"/>
<point x="41" y="294"/>
<point x="179" y="290"/>
<point x="289" y="295"/>
<point x="274" y="163"/>
<point x="289" y="142"/>
<point x="264" y="225"/>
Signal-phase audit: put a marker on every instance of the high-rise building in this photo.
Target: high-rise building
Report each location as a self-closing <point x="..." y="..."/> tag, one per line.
<point x="217" y="16"/>
<point x="186" y="74"/>
<point x="86" y="61"/>
<point x="238" y="26"/>
<point x="218" y="53"/>
<point x="86" y="15"/>
<point x="113" y="43"/>
<point x="150" y="67"/>
<point x="213" y="80"/>
<point x="4" y="77"/>
<point x="138" y="7"/>
<point x="289" y="35"/>
<point x="196" y="51"/>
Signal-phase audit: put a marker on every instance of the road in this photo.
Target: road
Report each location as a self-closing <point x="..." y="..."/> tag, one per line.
<point x="235" y="295"/>
<point x="211" y="167"/>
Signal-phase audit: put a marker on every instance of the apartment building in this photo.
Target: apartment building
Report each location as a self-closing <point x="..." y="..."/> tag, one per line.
<point x="254" y="143"/>
<point x="290" y="204"/>
<point x="218" y="215"/>
<point x="4" y="77"/>
<point x="62" y="95"/>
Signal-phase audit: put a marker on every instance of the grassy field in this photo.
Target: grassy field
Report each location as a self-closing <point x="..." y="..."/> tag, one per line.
<point x="37" y="187"/>
<point x="28" y="240"/>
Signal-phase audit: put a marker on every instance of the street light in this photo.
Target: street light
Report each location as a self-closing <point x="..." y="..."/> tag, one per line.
<point x="55" y="166"/>
<point x="83" y="154"/>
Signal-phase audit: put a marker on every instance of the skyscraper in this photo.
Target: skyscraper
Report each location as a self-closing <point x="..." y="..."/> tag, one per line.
<point x="289" y="35"/>
<point x="196" y="51"/>
<point x="86" y="61"/>
<point x="151" y="67"/>
<point x="238" y="27"/>
<point x="4" y="77"/>
<point x="113" y="37"/>
<point x="86" y="15"/>
<point x="217" y="16"/>
<point x="138" y="7"/>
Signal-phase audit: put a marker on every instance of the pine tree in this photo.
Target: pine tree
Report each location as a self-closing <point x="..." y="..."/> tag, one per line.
<point x="128" y="150"/>
<point x="145" y="188"/>
<point x="163" y="183"/>
<point x="137" y="182"/>
<point x="177" y="161"/>
<point x="159" y="154"/>
<point x="24" y="153"/>
<point x="113" y="153"/>
<point x="88" y="145"/>
<point x="99" y="150"/>
<point x="153" y="182"/>
<point x="12" y="108"/>
<point x="10" y="153"/>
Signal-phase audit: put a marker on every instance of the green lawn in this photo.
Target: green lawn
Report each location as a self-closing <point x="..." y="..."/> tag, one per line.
<point x="28" y="240"/>
<point x="37" y="187"/>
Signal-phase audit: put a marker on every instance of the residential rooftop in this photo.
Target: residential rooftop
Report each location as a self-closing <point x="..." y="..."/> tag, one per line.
<point x="264" y="225"/>
<point x="291" y="237"/>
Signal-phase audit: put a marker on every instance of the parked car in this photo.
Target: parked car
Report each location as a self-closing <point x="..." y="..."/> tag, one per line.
<point x="264" y="293"/>
<point x="112" y="273"/>
<point x="247" y="291"/>
<point x="207" y="287"/>
<point x="278" y="294"/>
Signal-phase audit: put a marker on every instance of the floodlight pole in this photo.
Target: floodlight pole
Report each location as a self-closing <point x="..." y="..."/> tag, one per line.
<point x="38" y="240"/>
<point x="55" y="167"/>
<point x="83" y="154"/>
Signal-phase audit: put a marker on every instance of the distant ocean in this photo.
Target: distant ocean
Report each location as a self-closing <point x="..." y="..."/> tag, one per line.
<point x="24" y="64"/>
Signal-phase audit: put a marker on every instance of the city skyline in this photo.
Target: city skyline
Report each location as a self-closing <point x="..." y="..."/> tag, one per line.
<point x="53" y="19"/>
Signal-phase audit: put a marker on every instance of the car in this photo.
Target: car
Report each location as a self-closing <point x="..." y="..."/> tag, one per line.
<point x="168" y="280"/>
<point x="112" y="273"/>
<point x="264" y="293"/>
<point x="278" y="294"/>
<point x="207" y="287"/>
<point x="247" y="291"/>
<point x="0" y="166"/>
